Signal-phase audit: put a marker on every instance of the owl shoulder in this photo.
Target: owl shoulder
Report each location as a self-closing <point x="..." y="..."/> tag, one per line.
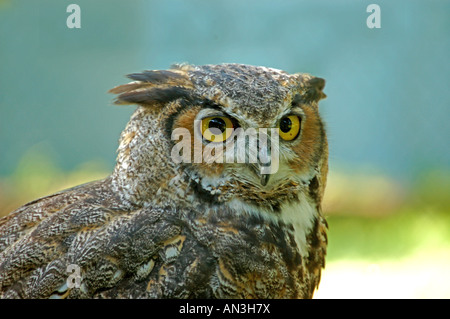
<point x="86" y="226"/>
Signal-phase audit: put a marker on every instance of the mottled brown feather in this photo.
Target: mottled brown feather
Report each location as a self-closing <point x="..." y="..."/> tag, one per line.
<point x="159" y="229"/>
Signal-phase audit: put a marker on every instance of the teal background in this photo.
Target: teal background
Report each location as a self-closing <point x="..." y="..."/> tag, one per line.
<point x="388" y="101"/>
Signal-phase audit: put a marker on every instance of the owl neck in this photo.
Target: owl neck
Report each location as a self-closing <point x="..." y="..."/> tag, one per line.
<point x="144" y="185"/>
<point x="292" y="205"/>
<point x="142" y="167"/>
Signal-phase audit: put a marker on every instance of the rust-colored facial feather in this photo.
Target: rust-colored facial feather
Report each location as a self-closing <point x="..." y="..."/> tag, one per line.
<point x="311" y="146"/>
<point x="186" y="119"/>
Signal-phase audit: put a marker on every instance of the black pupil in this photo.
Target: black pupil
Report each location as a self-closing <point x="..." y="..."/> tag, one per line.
<point x="285" y="125"/>
<point x="218" y="123"/>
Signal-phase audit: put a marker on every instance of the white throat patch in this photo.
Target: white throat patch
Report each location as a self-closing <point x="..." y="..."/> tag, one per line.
<point x="300" y="215"/>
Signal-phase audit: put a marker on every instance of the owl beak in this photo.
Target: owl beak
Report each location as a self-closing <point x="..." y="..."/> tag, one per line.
<point x="264" y="160"/>
<point x="267" y="161"/>
<point x="264" y="179"/>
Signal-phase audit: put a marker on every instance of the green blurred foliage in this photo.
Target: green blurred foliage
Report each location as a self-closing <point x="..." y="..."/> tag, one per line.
<point x="388" y="237"/>
<point x="37" y="174"/>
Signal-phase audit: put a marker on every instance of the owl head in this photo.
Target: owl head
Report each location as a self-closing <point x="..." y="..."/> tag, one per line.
<point x="228" y="133"/>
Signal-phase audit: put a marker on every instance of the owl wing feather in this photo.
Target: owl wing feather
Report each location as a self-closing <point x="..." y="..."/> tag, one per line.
<point x="147" y="252"/>
<point x="86" y="227"/>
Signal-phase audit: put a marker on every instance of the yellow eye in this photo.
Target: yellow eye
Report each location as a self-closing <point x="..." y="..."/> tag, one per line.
<point x="217" y="128"/>
<point x="289" y="127"/>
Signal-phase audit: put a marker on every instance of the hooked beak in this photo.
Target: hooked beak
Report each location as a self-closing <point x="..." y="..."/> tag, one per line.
<point x="258" y="170"/>
<point x="264" y="179"/>
<point x="263" y="164"/>
<point x="266" y="164"/>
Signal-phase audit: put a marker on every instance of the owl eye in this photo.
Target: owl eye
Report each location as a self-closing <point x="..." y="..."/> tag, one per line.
<point x="289" y="127"/>
<point x="217" y="128"/>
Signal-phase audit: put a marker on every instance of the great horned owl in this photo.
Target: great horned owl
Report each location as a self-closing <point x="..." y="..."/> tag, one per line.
<point x="168" y="224"/>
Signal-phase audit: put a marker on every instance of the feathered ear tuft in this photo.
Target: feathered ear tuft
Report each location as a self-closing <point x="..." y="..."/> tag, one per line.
<point x="153" y="87"/>
<point x="314" y="90"/>
<point x="151" y="96"/>
<point x="162" y="77"/>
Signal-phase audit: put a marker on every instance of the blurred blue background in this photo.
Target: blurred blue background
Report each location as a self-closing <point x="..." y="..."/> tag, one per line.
<point x="388" y="89"/>
<point x="387" y="111"/>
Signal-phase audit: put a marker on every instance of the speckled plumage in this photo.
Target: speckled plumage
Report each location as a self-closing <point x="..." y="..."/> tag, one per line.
<point x="160" y="229"/>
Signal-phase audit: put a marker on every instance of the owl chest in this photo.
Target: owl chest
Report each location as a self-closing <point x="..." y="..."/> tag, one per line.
<point x="227" y="253"/>
<point x="293" y="222"/>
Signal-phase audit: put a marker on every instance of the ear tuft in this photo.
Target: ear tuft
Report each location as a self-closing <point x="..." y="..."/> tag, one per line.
<point x="314" y="90"/>
<point x="153" y="95"/>
<point x="161" y="77"/>
<point x="154" y="87"/>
